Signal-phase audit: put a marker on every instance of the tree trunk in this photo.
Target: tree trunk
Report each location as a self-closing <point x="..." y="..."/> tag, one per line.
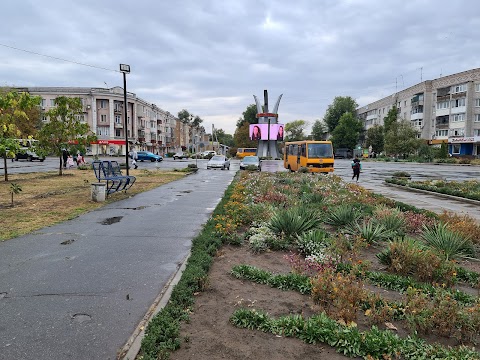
<point x="61" y="166"/>
<point x="5" y="172"/>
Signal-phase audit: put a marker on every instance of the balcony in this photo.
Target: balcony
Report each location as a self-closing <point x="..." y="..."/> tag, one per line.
<point x="118" y="126"/>
<point x="117" y="110"/>
<point x="442" y="122"/>
<point x="416" y="116"/>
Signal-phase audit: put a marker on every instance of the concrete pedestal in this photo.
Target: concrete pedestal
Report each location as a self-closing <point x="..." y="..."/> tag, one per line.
<point x="98" y="192"/>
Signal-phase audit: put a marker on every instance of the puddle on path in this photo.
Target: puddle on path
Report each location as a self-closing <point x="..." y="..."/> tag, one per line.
<point x="67" y="242"/>
<point x="112" y="220"/>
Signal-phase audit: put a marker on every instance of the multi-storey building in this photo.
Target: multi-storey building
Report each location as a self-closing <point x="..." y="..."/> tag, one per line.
<point x="148" y="127"/>
<point x="446" y="109"/>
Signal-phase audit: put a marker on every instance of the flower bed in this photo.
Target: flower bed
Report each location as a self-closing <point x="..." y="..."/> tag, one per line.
<point x="325" y="232"/>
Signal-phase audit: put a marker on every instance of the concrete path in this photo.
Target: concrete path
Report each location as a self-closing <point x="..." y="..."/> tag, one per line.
<point x="78" y="290"/>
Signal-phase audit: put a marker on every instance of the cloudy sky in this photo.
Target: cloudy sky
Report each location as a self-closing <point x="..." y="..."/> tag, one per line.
<point x="211" y="56"/>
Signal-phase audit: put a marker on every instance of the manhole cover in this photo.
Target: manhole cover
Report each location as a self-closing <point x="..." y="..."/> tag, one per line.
<point x="112" y="220"/>
<point x="81" y="318"/>
<point x="67" y="242"/>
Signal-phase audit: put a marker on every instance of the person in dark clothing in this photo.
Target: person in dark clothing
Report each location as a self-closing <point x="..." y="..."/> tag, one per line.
<point x="65" y="157"/>
<point x="356" y="167"/>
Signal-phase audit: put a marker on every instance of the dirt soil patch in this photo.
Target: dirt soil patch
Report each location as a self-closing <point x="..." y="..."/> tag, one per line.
<point x="209" y="334"/>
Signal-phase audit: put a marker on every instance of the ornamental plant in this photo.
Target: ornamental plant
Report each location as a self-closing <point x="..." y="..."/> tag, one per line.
<point x="450" y="244"/>
<point x="292" y="222"/>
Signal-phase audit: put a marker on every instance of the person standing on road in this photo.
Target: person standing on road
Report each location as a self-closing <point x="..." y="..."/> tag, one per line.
<point x="356" y="167"/>
<point x="134" y="158"/>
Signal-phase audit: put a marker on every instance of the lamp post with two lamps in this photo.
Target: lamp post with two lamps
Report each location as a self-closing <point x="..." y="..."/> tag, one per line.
<point x="125" y="69"/>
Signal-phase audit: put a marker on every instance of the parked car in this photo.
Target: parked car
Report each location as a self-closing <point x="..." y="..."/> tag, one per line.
<point x="251" y="161"/>
<point x="147" y="155"/>
<point x="208" y="154"/>
<point x="26" y="151"/>
<point x="180" y="155"/>
<point x="218" y="162"/>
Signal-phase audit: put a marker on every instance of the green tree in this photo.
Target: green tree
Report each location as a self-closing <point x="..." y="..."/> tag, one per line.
<point x="13" y="112"/>
<point x="241" y="137"/>
<point x="340" y="106"/>
<point x="390" y="119"/>
<point x="443" y="151"/>
<point x="223" y="138"/>
<point x="249" y="116"/>
<point x="347" y="132"/>
<point x="295" y="130"/>
<point x="401" y="139"/>
<point x="375" y="138"/>
<point x="319" y="130"/>
<point x="184" y="116"/>
<point x="64" y="128"/>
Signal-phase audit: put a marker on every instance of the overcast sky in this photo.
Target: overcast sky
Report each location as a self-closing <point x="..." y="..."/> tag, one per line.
<point x="211" y="56"/>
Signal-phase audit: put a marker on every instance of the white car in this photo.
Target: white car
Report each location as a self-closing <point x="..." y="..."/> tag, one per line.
<point x="218" y="162"/>
<point x="208" y="154"/>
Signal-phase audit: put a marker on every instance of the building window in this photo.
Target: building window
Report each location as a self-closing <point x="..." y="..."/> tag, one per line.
<point x="459" y="88"/>
<point x="44" y="118"/>
<point x="118" y="106"/>
<point x="456" y="149"/>
<point x="458" y="117"/>
<point x="103" y="118"/>
<point x="457" y="132"/>
<point x="52" y="102"/>
<point x="477" y="117"/>
<point x="458" y="102"/>
<point x="476" y="132"/>
<point x="477" y="87"/>
<point x="441" y="133"/>
<point x="44" y="102"/>
<point x="477" y="102"/>
<point x="103" y="104"/>
<point x="80" y="118"/>
<point x="443" y="105"/>
<point x="118" y="119"/>
<point x="118" y="133"/>
<point x="103" y="131"/>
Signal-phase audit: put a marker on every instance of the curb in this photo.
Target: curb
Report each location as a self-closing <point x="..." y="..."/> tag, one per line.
<point x="446" y="196"/>
<point x="132" y="347"/>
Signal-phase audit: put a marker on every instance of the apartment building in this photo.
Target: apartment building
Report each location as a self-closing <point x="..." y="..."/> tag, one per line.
<point x="148" y="127"/>
<point x="446" y="109"/>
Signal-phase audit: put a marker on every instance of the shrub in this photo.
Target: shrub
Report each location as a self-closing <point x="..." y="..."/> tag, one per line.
<point x="312" y="242"/>
<point x="394" y="224"/>
<point x="342" y="215"/>
<point x="293" y="222"/>
<point x="401" y="174"/>
<point x="408" y="257"/>
<point x="339" y="295"/>
<point x="449" y="243"/>
<point x="370" y="231"/>
<point x="462" y="224"/>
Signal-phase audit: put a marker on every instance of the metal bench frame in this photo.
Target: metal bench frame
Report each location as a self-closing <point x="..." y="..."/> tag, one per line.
<point x="109" y="171"/>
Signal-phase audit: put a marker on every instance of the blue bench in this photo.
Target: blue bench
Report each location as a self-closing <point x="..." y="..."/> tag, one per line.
<point x="109" y="171"/>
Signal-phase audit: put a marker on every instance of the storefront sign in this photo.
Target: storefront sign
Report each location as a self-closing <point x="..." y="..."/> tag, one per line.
<point x="472" y="139"/>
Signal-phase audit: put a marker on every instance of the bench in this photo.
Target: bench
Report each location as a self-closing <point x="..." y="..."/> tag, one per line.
<point x="109" y="171"/>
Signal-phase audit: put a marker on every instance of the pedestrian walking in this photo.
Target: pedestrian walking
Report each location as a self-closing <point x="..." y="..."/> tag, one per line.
<point x="134" y="158"/>
<point x="356" y="167"/>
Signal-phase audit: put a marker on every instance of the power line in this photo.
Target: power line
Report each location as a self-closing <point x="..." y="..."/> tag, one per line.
<point x="57" y="58"/>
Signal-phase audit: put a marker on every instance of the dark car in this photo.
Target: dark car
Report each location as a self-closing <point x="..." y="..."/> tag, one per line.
<point x="252" y="162"/>
<point x="147" y="155"/>
<point x="343" y="153"/>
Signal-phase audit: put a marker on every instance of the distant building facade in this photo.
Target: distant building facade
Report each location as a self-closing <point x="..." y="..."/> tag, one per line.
<point x="446" y="109"/>
<point x="148" y="127"/>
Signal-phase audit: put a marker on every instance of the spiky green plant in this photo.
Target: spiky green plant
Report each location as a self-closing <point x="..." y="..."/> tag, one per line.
<point x="449" y="243"/>
<point x="343" y="215"/>
<point x="293" y="222"/>
<point x="370" y="231"/>
<point x="394" y="223"/>
<point x="312" y="242"/>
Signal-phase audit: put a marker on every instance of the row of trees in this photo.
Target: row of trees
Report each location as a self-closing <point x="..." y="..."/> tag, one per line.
<point x="20" y="118"/>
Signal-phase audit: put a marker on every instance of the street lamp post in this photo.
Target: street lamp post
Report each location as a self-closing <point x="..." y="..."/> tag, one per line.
<point x="125" y="69"/>
<point x="196" y="150"/>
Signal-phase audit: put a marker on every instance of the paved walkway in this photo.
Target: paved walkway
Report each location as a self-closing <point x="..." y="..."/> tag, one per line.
<point x="78" y="290"/>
